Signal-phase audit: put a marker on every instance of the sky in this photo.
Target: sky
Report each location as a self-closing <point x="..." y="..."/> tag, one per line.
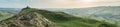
<point x="57" y="3"/>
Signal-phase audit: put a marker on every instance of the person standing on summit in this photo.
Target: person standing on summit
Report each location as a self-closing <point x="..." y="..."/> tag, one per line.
<point x="26" y="8"/>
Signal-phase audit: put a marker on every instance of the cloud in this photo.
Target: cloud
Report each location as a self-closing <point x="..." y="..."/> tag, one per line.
<point x="60" y="3"/>
<point x="71" y="3"/>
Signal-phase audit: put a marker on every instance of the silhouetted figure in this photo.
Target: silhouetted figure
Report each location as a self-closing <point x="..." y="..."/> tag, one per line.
<point x="26" y="8"/>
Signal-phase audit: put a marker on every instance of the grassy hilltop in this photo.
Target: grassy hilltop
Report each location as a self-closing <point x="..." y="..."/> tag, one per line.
<point x="58" y="18"/>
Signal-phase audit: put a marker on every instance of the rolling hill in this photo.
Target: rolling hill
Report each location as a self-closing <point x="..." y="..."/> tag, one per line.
<point x="32" y="17"/>
<point x="8" y="12"/>
<point x="107" y="13"/>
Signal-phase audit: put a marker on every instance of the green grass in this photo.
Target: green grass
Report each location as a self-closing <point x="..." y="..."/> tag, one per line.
<point x="5" y="15"/>
<point x="27" y="10"/>
<point x="66" y="20"/>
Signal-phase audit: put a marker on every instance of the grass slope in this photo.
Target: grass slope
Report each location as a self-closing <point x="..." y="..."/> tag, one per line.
<point x="66" y="20"/>
<point x="4" y="15"/>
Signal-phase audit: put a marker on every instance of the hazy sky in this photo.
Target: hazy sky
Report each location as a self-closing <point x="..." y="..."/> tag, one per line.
<point x="57" y="3"/>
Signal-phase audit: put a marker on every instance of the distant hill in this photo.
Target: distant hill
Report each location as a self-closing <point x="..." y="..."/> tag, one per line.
<point x="8" y="12"/>
<point x="108" y="13"/>
<point x="33" y="17"/>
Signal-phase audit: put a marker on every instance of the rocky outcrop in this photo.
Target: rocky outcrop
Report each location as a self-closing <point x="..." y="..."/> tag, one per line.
<point x="32" y="19"/>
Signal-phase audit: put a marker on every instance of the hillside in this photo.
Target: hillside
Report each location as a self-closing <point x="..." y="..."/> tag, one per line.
<point x="31" y="17"/>
<point x="8" y="12"/>
<point x="28" y="19"/>
<point x="107" y="13"/>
